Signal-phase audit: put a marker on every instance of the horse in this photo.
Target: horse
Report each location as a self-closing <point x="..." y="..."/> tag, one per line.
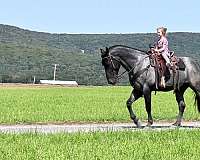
<point x="142" y="78"/>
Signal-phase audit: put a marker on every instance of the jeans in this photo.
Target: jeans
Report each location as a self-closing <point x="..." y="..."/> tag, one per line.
<point x="166" y="57"/>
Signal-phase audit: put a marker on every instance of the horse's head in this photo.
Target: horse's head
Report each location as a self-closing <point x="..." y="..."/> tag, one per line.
<point x="111" y="65"/>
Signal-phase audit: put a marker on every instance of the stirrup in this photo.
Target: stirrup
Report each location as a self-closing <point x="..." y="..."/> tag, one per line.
<point x="169" y="65"/>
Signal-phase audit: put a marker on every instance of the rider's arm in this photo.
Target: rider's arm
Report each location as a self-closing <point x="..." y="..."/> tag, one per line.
<point x="164" y="45"/>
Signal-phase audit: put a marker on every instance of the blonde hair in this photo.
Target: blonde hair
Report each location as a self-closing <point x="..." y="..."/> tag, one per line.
<point x="163" y="30"/>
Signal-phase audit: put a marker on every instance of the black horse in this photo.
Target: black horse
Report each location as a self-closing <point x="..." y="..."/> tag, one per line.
<point x="142" y="78"/>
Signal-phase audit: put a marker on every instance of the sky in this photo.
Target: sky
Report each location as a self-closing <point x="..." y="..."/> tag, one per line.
<point x="101" y="16"/>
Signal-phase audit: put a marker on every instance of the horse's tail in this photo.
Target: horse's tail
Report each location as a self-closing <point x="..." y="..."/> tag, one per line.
<point x="195" y="80"/>
<point x="196" y="89"/>
<point x="197" y="101"/>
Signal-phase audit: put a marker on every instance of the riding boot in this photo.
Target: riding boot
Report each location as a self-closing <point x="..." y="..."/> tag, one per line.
<point x="167" y="60"/>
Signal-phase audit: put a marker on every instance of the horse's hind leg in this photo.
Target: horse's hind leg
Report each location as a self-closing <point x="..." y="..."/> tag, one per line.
<point x="147" y="98"/>
<point x="181" y="105"/>
<point x="196" y="88"/>
<point x="133" y="97"/>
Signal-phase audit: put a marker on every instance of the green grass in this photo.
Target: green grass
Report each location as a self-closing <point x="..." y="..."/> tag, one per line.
<point x="83" y="104"/>
<point x="139" y="145"/>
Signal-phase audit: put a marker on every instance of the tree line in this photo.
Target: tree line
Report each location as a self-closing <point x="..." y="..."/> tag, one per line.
<point x="27" y="54"/>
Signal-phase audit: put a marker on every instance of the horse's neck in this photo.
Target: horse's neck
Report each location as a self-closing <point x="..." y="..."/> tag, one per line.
<point x="129" y="62"/>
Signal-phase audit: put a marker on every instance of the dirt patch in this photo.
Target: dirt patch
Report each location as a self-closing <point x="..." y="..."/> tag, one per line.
<point x="92" y="127"/>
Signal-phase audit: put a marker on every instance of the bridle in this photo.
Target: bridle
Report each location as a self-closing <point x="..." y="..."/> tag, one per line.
<point x="110" y="59"/>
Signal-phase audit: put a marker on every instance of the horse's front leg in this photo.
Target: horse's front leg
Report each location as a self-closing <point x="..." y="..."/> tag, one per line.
<point x="133" y="97"/>
<point x="147" y="97"/>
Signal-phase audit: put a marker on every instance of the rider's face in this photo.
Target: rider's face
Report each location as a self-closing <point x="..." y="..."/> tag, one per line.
<point x="159" y="32"/>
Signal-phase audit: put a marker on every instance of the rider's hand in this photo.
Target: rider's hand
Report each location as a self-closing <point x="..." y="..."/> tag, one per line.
<point x="156" y="50"/>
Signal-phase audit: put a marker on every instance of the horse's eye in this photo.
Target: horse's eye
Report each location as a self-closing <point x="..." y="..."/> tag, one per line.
<point x="105" y="63"/>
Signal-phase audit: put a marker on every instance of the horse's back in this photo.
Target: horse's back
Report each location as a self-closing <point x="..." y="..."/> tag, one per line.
<point x="192" y="68"/>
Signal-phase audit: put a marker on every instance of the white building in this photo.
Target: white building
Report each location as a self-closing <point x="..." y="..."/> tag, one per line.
<point x="53" y="82"/>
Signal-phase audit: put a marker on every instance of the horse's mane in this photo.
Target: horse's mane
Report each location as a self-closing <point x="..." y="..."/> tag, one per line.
<point x="140" y="50"/>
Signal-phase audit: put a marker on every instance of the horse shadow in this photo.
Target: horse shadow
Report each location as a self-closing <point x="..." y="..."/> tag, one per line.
<point x="160" y="127"/>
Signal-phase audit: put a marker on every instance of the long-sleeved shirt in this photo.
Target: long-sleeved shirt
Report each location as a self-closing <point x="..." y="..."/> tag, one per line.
<point x="162" y="45"/>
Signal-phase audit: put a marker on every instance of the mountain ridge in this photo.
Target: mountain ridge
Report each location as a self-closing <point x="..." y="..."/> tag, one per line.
<point x="33" y="53"/>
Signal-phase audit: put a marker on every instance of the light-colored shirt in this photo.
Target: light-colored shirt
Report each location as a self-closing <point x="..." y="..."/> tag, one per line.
<point x="162" y="45"/>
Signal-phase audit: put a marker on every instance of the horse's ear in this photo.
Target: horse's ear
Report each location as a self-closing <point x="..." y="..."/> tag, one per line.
<point x="102" y="52"/>
<point x="107" y="50"/>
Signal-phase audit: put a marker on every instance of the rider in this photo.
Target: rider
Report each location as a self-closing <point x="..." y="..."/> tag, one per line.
<point x="161" y="47"/>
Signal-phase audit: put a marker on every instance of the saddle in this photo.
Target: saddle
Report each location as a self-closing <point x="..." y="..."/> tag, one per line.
<point x="159" y="64"/>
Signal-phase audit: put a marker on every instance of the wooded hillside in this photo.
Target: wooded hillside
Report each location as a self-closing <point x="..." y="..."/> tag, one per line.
<point x="25" y="54"/>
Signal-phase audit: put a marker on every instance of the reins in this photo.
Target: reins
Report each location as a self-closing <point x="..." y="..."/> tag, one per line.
<point x="122" y="74"/>
<point x="111" y="57"/>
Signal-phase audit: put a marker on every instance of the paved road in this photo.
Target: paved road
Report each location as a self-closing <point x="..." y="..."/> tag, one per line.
<point x="72" y="128"/>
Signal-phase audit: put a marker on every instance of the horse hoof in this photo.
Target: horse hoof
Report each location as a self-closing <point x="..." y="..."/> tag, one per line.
<point x="177" y="124"/>
<point x="138" y="124"/>
<point x="149" y="124"/>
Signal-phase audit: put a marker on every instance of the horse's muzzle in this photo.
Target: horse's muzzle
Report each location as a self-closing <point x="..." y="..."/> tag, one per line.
<point x="113" y="82"/>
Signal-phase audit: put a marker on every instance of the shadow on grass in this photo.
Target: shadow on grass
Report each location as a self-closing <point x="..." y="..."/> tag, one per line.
<point x="160" y="127"/>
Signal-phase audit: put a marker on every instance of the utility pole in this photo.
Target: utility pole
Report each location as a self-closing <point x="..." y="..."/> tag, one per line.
<point x="34" y="80"/>
<point x="54" y="74"/>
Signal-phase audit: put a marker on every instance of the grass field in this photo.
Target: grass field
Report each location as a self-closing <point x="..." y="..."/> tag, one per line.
<point x="93" y="104"/>
<point x="83" y="104"/>
<point x="139" y="145"/>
